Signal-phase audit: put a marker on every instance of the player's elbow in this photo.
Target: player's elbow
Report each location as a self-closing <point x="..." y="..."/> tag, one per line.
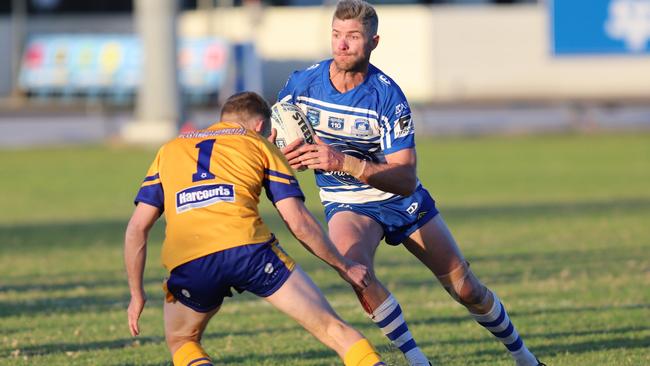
<point x="299" y="230"/>
<point x="407" y="186"/>
<point x="137" y="228"/>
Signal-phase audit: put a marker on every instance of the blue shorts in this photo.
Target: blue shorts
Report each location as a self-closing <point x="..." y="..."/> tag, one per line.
<point x="398" y="216"/>
<point x="203" y="283"/>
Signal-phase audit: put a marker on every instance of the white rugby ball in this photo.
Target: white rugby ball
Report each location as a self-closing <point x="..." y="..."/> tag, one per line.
<point x="291" y="124"/>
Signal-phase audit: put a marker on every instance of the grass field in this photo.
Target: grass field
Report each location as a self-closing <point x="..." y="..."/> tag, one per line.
<point x="558" y="226"/>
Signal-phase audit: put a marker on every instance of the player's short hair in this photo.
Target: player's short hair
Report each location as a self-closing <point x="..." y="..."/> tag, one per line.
<point x="246" y="106"/>
<point x="359" y="10"/>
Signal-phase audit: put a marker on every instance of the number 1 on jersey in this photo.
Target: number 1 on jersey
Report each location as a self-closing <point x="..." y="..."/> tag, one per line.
<point x="203" y="163"/>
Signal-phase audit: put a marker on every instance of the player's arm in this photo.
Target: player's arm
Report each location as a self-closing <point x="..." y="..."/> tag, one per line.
<point x="311" y="235"/>
<point x="135" y="255"/>
<point x="397" y="175"/>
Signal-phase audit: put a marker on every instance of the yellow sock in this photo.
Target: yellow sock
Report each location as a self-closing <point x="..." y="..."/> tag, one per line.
<point x="362" y="354"/>
<point x="192" y="354"/>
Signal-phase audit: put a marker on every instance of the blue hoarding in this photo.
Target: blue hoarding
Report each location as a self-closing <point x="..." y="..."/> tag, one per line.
<point x="600" y="26"/>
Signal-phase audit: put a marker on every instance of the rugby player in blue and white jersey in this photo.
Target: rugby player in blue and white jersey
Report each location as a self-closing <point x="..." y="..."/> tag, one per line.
<point x="365" y="166"/>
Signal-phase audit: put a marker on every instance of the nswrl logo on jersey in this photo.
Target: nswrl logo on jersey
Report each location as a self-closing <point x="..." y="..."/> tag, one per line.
<point x="204" y="195"/>
<point x="313" y="115"/>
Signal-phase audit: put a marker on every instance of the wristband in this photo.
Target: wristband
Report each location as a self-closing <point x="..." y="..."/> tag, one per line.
<point x="354" y="166"/>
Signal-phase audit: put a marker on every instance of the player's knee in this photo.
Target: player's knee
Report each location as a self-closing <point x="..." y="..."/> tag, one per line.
<point x="340" y="331"/>
<point x="463" y="286"/>
<point x="336" y="328"/>
<point x="472" y="293"/>
<point x="176" y="338"/>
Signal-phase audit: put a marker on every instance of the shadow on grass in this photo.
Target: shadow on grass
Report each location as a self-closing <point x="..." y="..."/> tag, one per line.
<point x="551" y="209"/>
<point x="613" y="343"/>
<point x="86" y="239"/>
<point x="125" y="343"/>
<point x="80" y="234"/>
<point x="54" y="348"/>
<point x="101" y="280"/>
<point x="284" y="358"/>
<point x="616" y="340"/>
<point x="91" y="303"/>
<point x="571" y="312"/>
<point x="67" y="235"/>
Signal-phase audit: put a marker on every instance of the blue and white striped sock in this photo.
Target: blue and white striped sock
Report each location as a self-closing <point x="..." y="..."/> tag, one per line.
<point x="388" y="317"/>
<point x="498" y="323"/>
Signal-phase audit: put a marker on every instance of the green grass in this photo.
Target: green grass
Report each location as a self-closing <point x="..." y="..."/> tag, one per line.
<point x="558" y="226"/>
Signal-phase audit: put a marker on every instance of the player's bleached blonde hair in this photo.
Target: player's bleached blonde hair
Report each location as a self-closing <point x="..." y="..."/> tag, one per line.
<point x="359" y="10"/>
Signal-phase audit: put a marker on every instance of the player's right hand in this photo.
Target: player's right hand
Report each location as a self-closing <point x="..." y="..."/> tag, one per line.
<point x="134" y="310"/>
<point x="356" y="274"/>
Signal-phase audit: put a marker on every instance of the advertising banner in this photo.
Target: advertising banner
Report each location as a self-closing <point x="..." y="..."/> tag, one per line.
<point x="600" y="26"/>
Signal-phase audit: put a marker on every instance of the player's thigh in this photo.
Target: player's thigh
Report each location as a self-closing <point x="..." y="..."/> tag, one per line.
<point x="183" y="323"/>
<point x="299" y="298"/>
<point x="434" y="245"/>
<point x="355" y="236"/>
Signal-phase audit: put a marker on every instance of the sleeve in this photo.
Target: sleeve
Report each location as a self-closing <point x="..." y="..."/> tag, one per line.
<point x="279" y="182"/>
<point x="286" y="93"/>
<point x="397" y="128"/>
<point x="151" y="191"/>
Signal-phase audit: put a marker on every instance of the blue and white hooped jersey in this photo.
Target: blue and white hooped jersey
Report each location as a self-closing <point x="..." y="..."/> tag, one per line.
<point x="367" y="122"/>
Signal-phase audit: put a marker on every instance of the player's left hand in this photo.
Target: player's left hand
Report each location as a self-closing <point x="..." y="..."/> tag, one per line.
<point x="356" y="274"/>
<point x="317" y="156"/>
<point x="134" y="310"/>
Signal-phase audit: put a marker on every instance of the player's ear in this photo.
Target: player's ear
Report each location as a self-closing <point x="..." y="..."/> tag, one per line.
<point x="260" y="127"/>
<point x="374" y="42"/>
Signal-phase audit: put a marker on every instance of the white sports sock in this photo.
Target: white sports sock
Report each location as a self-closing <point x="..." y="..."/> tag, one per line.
<point x="388" y="317"/>
<point x="498" y="323"/>
<point x="524" y="357"/>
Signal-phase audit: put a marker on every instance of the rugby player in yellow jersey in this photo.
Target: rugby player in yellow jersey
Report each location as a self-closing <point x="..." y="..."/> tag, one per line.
<point x="207" y="183"/>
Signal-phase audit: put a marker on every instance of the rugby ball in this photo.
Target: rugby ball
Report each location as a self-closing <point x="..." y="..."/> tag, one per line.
<point x="291" y="124"/>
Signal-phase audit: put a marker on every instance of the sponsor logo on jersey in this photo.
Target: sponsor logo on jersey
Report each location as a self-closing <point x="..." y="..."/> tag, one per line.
<point x="313" y="115"/>
<point x="422" y="214"/>
<point x="404" y="126"/>
<point x="312" y="67"/>
<point x="335" y="123"/>
<point x="204" y="195"/>
<point x="413" y="208"/>
<point x="383" y="79"/>
<point x="401" y="107"/>
<point x="361" y="127"/>
<point x="269" y="268"/>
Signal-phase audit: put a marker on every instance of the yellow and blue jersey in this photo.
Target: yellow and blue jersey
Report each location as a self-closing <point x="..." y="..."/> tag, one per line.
<point x="208" y="183"/>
